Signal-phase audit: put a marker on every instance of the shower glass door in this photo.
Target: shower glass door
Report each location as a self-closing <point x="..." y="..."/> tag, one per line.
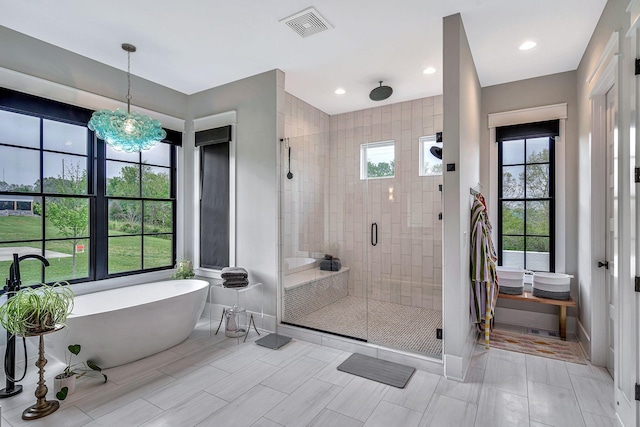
<point x="321" y="294"/>
<point x="403" y="268"/>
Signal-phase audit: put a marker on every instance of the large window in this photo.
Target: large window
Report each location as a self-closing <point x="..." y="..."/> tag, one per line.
<point x="526" y="195"/>
<point x="91" y="211"/>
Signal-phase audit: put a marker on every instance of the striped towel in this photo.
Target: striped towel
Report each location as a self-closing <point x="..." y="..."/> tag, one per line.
<point x="484" y="279"/>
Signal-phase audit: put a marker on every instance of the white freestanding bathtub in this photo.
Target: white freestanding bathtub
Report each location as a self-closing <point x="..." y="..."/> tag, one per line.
<point x="122" y="325"/>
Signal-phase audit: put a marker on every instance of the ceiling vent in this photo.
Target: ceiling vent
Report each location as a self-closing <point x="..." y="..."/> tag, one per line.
<point x="307" y="22"/>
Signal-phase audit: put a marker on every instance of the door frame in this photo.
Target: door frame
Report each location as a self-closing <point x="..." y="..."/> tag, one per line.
<point x="614" y="69"/>
<point x="603" y="79"/>
<point x="611" y="272"/>
<point x="630" y="300"/>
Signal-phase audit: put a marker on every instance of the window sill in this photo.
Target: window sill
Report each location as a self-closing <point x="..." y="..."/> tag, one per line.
<point x="208" y="272"/>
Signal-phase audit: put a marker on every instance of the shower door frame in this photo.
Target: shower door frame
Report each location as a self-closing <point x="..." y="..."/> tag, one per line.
<point x="379" y="226"/>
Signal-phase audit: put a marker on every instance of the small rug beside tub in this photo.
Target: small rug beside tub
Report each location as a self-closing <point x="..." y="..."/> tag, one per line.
<point x="566" y="351"/>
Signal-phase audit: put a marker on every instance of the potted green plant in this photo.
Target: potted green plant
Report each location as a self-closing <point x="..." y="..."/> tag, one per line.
<point x="32" y="311"/>
<point x="184" y="270"/>
<point x="65" y="383"/>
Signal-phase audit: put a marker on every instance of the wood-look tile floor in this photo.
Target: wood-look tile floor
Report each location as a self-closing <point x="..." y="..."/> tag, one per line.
<point x="213" y="381"/>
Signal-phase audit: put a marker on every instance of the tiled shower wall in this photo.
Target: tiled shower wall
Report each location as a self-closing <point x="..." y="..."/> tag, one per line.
<point x="405" y="267"/>
<point x="306" y="194"/>
<point x="328" y="209"/>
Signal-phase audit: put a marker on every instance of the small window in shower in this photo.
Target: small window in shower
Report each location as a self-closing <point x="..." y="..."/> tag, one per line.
<point x="429" y="164"/>
<point x="377" y="160"/>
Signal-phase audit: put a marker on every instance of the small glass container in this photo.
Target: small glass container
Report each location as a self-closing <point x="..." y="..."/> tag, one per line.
<point x="235" y="322"/>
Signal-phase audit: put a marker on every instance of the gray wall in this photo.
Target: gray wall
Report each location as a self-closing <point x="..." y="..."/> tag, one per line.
<point x="462" y="101"/>
<point x="539" y="91"/>
<point x="257" y="132"/>
<point x="34" y="57"/>
<point x="259" y="102"/>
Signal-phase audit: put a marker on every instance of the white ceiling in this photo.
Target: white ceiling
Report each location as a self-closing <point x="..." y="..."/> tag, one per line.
<point x="199" y="44"/>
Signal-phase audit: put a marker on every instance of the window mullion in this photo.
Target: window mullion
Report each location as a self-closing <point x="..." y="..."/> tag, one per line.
<point x="141" y="169"/>
<point x="42" y="198"/>
<point x="101" y="214"/>
<point x="526" y="204"/>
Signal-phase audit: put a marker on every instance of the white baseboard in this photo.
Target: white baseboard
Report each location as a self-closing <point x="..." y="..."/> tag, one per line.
<point x="583" y="339"/>
<point x="454" y="367"/>
<point x="532" y="319"/>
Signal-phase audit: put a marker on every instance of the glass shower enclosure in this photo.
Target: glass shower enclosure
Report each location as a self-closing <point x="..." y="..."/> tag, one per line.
<point x="362" y="237"/>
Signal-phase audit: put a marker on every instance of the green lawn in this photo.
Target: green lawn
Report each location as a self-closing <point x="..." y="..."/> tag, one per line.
<point x="20" y="228"/>
<point x="124" y="252"/>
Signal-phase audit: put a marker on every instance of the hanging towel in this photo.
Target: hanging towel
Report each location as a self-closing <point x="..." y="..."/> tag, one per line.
<point x="484" y="280"/>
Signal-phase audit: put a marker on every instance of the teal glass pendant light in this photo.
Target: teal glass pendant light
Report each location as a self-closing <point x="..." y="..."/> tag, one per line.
<point x="124" y="130"/>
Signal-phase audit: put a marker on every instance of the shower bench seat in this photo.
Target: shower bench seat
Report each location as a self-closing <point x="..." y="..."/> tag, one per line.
<point x="562" y="307"/>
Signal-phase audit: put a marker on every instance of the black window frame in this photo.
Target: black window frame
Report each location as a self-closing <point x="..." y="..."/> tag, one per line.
<point x="103" y="200"/>
<point x="46" y="109"/>
<point x="550" y="130"/>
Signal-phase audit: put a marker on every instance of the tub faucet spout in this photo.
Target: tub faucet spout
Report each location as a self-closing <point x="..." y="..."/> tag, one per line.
<point x="14" y="281"/>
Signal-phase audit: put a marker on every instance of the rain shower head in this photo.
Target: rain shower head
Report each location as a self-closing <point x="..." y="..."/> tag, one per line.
<point x="380" y="93"/>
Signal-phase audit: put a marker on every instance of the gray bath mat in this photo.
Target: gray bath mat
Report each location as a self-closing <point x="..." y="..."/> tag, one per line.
<point x="273" y="341"/>
<point x="382" y="371"/>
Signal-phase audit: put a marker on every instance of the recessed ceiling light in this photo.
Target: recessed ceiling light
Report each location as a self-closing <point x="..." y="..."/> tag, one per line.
<point x="340" y="91"/>
<point x="527" y="45"/>
<point x="429" y="70"/>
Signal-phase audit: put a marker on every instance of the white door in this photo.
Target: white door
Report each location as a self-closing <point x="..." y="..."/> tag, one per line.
<point x="611" y="235"/>
<point x="623" y="316"/>
<point x="627" y="357"/>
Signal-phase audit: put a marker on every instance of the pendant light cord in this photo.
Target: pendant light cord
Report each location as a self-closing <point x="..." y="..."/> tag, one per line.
<point x="128" y="82"/>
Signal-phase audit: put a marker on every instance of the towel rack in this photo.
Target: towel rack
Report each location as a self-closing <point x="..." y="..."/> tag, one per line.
<point x="475" y="192"/>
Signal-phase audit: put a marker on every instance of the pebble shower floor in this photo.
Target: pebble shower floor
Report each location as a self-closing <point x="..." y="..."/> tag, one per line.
<point x="393" y="325"/>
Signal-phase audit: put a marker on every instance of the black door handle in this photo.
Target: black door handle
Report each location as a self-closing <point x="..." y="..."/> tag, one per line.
<point x="603" y="264"/>
<point x="376" y="235"/>
<point x="374" y="226"/>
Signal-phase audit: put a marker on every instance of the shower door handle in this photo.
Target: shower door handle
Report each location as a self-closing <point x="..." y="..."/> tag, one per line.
<point x="374" y="233"/>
